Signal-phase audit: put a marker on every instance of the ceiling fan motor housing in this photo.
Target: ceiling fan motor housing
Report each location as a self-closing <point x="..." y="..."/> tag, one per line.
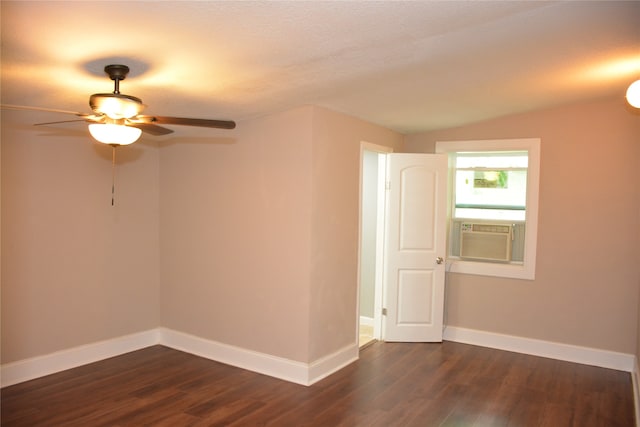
<point x="116" y="105"/>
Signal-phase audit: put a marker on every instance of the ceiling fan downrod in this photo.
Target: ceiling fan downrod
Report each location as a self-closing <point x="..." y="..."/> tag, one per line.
<point x="116" y="72"/>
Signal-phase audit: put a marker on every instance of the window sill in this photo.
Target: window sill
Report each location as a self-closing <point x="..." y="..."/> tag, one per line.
<point x="512" y="271"/>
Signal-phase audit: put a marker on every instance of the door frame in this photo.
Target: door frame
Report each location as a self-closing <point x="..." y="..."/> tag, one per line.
<point x="380" y="222"/>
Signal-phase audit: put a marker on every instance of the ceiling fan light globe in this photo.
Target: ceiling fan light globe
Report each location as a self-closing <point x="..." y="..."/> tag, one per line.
<point x="112" y="134"/>
<point x="633" y="94"/>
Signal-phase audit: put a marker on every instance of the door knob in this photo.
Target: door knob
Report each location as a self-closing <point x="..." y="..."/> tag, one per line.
<point x="439" y="260"/>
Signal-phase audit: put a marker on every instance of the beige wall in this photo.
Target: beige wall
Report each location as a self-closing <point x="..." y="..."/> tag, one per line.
<point x="335" y="225"/>
<point x="75" y="270"/>
<point x="586" y="287"/>
<point x="234" y="216"/>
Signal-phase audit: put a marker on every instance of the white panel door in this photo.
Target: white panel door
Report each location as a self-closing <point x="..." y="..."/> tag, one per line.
<point x="415" y="246"/>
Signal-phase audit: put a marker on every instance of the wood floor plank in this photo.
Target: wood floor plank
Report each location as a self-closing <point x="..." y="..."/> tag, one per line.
<point x="392" y="384"/>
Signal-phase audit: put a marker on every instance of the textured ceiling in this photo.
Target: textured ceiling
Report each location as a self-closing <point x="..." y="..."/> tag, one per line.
<point x="408" y="66"/>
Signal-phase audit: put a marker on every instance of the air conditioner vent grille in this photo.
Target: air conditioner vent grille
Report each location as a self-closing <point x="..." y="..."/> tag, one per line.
<point x="489" y="242"/>
<point x="487" y="228"/>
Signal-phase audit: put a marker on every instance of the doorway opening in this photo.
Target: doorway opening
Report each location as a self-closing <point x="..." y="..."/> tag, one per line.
<point x="372" y="205"/>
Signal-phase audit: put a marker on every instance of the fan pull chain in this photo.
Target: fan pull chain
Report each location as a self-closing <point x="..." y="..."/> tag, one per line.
<point x="113" y="174"/>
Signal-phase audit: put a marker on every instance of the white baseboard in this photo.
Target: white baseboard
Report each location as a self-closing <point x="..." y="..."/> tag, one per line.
<point x="294" y="371"/>
<point x="571" y="353"/>
<point x="326" y="366"/>
<point x="35" y="367"/>
<point x="285" y="369"/>
<point x="235" y="356"/>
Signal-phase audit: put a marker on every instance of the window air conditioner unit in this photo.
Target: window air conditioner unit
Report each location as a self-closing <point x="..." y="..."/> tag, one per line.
<point x="488" y="242"/>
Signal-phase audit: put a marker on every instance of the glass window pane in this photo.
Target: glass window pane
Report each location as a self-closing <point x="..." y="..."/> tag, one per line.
<point x="491" y="189"/>
<point x="491" y="185"/>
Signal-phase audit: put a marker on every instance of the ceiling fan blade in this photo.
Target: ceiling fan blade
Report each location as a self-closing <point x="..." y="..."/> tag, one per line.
<point x="62" y="121"/>
<point x="49" y="110"/>
<point x="151" y="128"/>
<point x="183" y="121"/>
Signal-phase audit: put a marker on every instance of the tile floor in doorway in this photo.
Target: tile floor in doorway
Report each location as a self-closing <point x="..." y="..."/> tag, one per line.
<point x="366" y="335"/>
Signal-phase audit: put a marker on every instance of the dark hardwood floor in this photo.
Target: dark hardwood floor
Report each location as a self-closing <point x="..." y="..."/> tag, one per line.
<point x="393" y="384"/>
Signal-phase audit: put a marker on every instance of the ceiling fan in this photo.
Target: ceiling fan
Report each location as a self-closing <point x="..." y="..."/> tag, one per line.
<point x="116" y="118"/>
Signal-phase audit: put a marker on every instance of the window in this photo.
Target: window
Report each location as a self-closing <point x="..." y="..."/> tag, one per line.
<point x="493" y="190"/>
<point x="490" y="185"/>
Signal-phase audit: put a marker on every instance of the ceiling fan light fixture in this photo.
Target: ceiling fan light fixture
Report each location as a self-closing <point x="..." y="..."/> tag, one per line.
<point x="633" y="94"/>
<point x="115" y="105"/>
<point x="113" y="134"/>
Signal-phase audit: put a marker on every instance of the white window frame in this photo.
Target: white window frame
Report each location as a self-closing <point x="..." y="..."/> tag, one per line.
<point x="527" y="269"/>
